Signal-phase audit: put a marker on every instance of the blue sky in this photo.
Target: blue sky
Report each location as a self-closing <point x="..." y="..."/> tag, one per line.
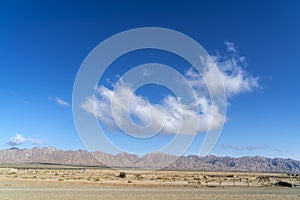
<point x="44" y="43"/>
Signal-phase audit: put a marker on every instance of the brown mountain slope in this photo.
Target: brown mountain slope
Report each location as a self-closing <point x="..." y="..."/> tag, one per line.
<point x="192" y="162"/>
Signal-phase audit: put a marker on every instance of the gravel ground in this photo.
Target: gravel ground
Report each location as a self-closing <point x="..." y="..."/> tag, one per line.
<point x="107" y="193"/>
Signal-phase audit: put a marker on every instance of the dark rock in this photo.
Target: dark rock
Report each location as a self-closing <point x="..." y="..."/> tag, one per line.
<point x="284" y="184"/>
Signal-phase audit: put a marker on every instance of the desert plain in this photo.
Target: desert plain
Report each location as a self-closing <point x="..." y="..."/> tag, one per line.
<point x="33" y="181"/>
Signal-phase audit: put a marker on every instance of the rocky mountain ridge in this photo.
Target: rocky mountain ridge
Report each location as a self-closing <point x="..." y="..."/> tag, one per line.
<point x="126" y="160"/>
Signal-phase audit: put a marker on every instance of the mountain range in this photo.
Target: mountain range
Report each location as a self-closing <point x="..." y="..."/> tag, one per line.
<point x="149" y="161"/>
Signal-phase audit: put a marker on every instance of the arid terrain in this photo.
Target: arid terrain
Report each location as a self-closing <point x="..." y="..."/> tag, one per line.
<point x="155" y="160"/>
<point x="69" y="182"/>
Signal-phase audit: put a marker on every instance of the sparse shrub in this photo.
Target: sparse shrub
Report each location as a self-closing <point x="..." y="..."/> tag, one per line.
<point x="248" y="183"/>
<point x="138" y="177"/>
<point x="61" y="180"/>
<point x="206" y="183"/>
<point x="122" y="175"/>
<point x="96" y="179"/>
<point x="129" y="181"/>
<point x="15" y="176"/>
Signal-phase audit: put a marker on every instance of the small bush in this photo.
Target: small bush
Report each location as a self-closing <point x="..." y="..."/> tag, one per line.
<point x="122" y="175"/>
<point x="138" y="177"/>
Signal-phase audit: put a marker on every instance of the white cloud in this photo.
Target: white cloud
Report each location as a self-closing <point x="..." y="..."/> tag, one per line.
<point x="18" y="140"/>
<point x="235" y="78"/>
<point x="59" y="101"/>
<point x="177" y="116"/>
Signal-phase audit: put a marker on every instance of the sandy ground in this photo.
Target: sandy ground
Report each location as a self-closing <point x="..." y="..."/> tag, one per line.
<point x="65" y="183"/>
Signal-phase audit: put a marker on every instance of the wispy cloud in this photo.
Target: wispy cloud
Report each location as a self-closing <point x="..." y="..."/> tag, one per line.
<point x="146" y="72"/>
<point x="19" y="139"/>
<point x="243" y="147"/>
<point x="230" y="47"/>
<point x="59" y="101"/>
<point x="178" y="116"/>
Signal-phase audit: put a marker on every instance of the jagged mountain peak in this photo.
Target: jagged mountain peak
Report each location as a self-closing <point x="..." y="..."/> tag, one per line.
<point x="191" y="162"/>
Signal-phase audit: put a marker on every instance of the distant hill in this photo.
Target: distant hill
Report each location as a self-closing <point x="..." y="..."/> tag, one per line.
<point x="192" y="162"/>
